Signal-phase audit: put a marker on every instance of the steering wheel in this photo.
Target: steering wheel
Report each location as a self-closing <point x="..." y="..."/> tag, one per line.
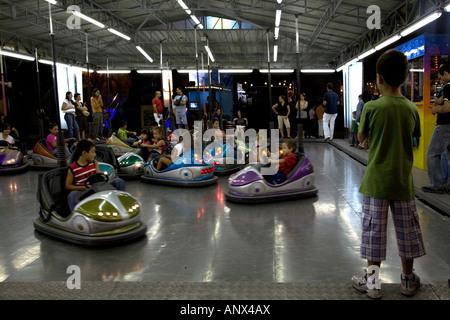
<point x="4" y="143"/>
<point x="96" y="178"/>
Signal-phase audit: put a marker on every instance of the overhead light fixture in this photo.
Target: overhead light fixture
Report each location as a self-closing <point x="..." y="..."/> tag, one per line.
<point x="367" y="53"/>
<point x="144" y="53"/>
<point x="120" y="34"/>
<point x="235" y="70"/>
<point x="317" y="70"/>
<point x="277" y="70"/>
<point x="52" y="1"/>
<point x="416" y="70"/>
<point x="275" y="53"/>
<point x="276" y="33"/>
<point x="277" y="18"/>
<point x="189" y="71"/>
<point x="182" y="4"/>
<point x="352" y="62"/>
<point x="89" y="19"/>
<point x="113" y="71"/>
<point x="340" y="68"/>
<point x="197" y="22"/>
<point x="447" y="7"/>
<point x="209" y="53"/>
<point x="16" y="55"/>
<point x="387" y="42"/>
<point x="421" y="23"/>
<point x="279" y="1"/>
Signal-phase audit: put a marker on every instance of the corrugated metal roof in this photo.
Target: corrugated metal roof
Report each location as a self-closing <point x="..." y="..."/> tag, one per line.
<point x="326" y="28"/>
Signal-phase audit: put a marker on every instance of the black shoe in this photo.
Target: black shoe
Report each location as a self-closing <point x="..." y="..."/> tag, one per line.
<point x="326" y="139"/>
<point x="433" y="190"/>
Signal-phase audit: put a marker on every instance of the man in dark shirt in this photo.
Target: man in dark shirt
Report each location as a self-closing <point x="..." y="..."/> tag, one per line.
<point x="330" y="103"/>
<point x="440" y="140"/>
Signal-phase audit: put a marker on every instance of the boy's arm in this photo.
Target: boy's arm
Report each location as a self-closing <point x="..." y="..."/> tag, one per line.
<point x="97" y="168"/>
<point x="69" y="183"/>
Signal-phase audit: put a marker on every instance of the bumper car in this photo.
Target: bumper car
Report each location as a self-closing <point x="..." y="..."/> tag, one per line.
<point x="131" y="165"/>
<point x="250" y="186"/>
<point x="119" y="146"/>
<point x="12" y="160"/>
<point x="225" y="160"/>
<point x="188" y="171"/>
<point x="102" y="216"/>
<point x="43" y="158"/>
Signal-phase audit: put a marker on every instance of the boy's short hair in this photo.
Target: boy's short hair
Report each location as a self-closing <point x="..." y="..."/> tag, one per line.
<point x="330" y="86"/>
<point x="291" y="144"/>
<point x="90" y="136"/>
<point x="445" y="67"/>
<point x="354" y="112"/>
<point x="84" y="145"/>
<point x="122" y="123"/>
<point x="393" y="66"/>
<point x="5" y="126"/>
<point x="51" y="125"/>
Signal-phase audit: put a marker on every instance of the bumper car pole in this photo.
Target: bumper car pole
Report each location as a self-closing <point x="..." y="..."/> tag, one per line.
<point x="61" y="149"/>
<point x="300" y="148"/>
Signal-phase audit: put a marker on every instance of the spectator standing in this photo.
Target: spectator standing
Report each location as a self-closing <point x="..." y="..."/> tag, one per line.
<point x="302" y="113"/>
<point x="440" y="139"/>
<point x="391" y="123"/>
<point x="97" y="114"/>
<point x="330" y="103"/>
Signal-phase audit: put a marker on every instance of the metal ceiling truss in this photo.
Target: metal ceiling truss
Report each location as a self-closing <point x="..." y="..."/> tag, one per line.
<point x="394" y="22"/>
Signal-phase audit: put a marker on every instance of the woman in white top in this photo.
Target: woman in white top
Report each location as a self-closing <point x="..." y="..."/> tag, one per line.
<point x="68" y="108"/>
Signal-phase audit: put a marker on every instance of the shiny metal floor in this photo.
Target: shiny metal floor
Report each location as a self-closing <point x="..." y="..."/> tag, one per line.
<point x="196" y="238"/>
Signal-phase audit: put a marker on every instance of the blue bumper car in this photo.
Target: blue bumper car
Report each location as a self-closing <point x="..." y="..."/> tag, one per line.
<point x="189" y="170"/>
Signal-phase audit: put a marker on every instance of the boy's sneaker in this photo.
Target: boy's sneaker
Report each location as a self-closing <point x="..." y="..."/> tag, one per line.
<point x="360" y="284"/>
<point x="410" y="286"/>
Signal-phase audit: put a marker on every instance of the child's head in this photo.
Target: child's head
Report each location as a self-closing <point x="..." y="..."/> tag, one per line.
<point x="288" y="147"/>
<point x="354" y="114"/>
<point x="86" y="150"/>
<point x="123" y="124"/>
<point x="158" y="133"/>
<point x="215" y="124"/>
<point x="6" y="128"/>
<point x="154" y="124"/>
<point x="392" y="67"/>
<point x="144" y="134"/>
<point x="53" y="128"/>
<point x="90" y="137"/>
<point x="76" y="96"/>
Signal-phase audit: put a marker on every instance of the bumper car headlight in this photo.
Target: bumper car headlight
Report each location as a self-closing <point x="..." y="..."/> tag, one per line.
<point x="131" y="205"/>
<point x="100" y="210"/>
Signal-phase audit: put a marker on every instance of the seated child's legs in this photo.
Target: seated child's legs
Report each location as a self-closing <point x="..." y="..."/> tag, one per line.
<point x="278" y="178"/>
<point x="118" y="183"/>
<point x="72" y="199"/>
<point x="163" y="162"/>
<point x="130" y="141"/>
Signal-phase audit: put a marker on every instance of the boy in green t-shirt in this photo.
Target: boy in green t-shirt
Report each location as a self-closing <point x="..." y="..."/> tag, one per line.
<point x="354" y="131"/>
<point x="390" y="122"/>
<point x="123" y="133"/>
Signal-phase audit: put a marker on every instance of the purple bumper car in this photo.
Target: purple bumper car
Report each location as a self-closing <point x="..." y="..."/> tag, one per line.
<point x="250" y="186"/>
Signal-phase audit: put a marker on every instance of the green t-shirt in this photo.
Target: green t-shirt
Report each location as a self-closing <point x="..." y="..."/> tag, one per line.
<point x="391" y="123"/>
<point x="123" y="134"/>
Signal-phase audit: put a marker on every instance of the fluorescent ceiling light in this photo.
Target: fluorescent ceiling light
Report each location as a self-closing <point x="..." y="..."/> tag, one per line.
<point x="340" y="68"/>
<point x="276" y="70"/>
<point x="279" y="1"/>
<point x="148" y="71"/>
<point x="277" y="18"/>
<point x="416" y="70"/>
<point x="352" y="62"/>
<point x="275" y="53"/>
<point x="52" y="1"/>
<point x="447" y="7"/>
<point x="421" y="23"/>
<point x="387" y="42"/>
<point x="182" y="4"/>
<point x="16" y="55"/>
<point x="317" y="70"/>
<point x="367" y="53"/>
<point x="235" y="70"/>
<point x="189" y="71"/>
<point x="113" y="71"/>
<point x="197" y="22"/>
<point x="144" y="53"/>
<point x="89" y="19"/>
<point x="277" y="32"/>
<point x="209" y="53"/>
<point x="120" y="34"/>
